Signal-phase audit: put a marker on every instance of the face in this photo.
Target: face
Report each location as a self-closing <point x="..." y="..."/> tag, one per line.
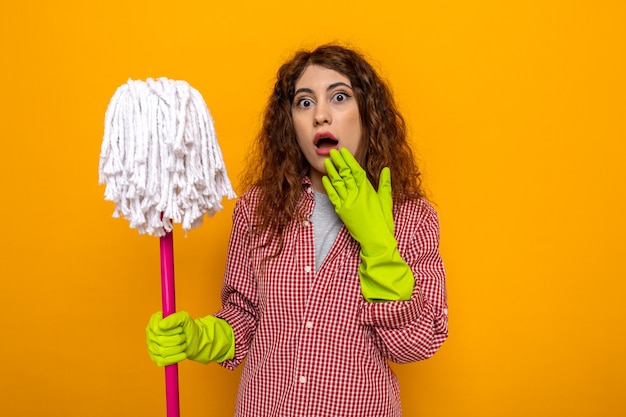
<point x="325" y="116"/>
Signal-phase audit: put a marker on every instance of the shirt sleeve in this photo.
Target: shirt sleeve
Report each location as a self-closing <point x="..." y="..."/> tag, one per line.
<point x="239" y="296"/>
<point x="414" y="330"/>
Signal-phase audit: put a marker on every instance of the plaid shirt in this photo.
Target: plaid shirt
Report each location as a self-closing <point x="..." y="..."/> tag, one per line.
<point x="313" y="346"/>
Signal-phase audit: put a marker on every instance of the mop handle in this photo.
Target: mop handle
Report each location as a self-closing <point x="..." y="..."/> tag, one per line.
<point x="169" y="307"/>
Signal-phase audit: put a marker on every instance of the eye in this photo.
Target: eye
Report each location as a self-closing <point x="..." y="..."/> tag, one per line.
<point x="341" y="96"/>
<point x="304" y="102"/>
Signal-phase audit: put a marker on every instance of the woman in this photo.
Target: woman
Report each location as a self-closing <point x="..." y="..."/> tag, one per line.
<point x="331" y="272"/>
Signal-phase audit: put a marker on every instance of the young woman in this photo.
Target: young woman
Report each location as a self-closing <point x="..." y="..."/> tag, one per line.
<point x="331" y="271"/>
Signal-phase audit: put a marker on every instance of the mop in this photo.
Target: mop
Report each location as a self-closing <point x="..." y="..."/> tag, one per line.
<point x="162" y="165"/>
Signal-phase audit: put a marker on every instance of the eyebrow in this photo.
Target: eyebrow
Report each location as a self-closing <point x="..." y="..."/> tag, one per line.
<point x="330" y="87"/>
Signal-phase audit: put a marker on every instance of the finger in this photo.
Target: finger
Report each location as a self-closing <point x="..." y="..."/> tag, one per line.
<point x="164" y="351"/>
<point x="168" y="360"/>
<point x="171" y="360"/>
<point x="332" y="193"/>
<point x="340" y="163"/>
<point x="386" y="197"/>
<point x="335" y="178"/>
<point x="384" y="183"/>
<point x="155" y="326"/>
<point x="331" y="171"/>
<point x="344" y="169"/>
<point x="165" y="328"/>
<point x="154" y="349"/>
<point x="355" y="168"/>
<point x="176" y="331"/>
<point x="173" y="320"/>
<point x="155" y="318"/>
<point x="167" y="341"/>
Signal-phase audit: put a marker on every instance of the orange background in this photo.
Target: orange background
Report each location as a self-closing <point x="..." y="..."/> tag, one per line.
<point x="517" y="110"/>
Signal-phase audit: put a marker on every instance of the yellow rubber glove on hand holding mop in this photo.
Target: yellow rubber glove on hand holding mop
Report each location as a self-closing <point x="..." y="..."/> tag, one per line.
<point x="178" y="337"/>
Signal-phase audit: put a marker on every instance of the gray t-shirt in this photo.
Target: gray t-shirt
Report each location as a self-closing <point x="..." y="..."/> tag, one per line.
<point x="326" y="226"/>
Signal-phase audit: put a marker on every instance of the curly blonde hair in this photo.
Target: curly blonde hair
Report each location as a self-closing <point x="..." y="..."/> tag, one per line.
<point x="276" y="164"/>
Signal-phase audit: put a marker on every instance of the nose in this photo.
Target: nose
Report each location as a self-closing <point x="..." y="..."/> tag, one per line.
<point x="322" y="115"/>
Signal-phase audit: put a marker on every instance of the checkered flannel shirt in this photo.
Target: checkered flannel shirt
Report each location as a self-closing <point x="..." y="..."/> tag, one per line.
<point x="312" y="345"/>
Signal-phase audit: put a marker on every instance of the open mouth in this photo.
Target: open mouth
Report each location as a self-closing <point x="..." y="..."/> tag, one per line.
<point x="325" y="140"/>
<point x="326" y="143"/>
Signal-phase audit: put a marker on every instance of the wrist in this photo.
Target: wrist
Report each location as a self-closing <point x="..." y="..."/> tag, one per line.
<point x="213" y="342"/>
<point x="386" y="277"/>
<point x="378" y="243"/>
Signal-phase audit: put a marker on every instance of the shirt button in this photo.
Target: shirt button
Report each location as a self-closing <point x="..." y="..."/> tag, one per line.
<point x="309" y="190"/>
<point x="305" y="223"/>
<point x="307" y="269"/>
<point x="302" y="379"/>
<point x="309" y="324"/>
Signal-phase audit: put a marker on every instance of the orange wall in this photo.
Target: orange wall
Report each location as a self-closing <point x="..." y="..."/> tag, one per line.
<point x="518" y="112"/>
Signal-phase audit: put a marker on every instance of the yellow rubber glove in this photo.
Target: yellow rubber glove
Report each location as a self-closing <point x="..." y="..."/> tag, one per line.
<point x="368" y="216"/>
<point x="178" y="337"/>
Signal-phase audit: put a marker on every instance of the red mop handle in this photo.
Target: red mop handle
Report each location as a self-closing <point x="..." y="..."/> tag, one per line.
<point x="169" y="307"/>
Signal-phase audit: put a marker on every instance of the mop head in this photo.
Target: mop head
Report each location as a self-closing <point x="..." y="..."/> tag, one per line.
<point x="160" y="159"/>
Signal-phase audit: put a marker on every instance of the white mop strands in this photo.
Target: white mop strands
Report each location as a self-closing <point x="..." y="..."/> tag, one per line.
<point x="160" y="159"/>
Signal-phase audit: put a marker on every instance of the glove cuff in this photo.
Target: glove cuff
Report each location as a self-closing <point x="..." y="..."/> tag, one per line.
<point x="216" y="341"/>
<point x="385" y="277"/>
